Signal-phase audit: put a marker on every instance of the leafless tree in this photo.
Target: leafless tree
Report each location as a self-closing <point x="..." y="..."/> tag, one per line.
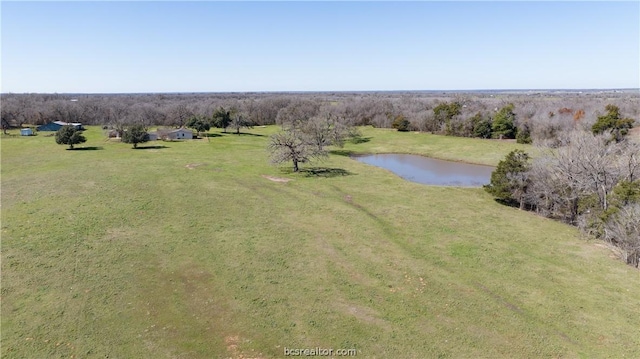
<point x="584" y="165"/>
<point x="297" y="113"/>
<point x="623" y="230"/>
<point x="293" y="145"/>
<point x="178" y="115"/>
<point x="239" y="120"/>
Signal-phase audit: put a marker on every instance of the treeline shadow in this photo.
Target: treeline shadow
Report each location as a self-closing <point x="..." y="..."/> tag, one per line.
<point x="247" y="134"/>
<point x="157" y="147"/>
<point x="211" y="135"/>
<point x="325" y="172"/>
<point x="88" y="148"/>
<point x="514" y="204"/>
<point x="345" y="153"/>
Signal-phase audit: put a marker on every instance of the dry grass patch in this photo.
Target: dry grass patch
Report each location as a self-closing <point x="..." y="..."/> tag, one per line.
<point x="277" y="179"/>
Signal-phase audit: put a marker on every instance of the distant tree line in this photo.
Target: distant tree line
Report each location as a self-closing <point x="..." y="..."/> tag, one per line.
<point x="527" y="118"/>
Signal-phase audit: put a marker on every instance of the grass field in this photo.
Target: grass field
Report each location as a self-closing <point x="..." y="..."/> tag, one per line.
<point x="187" y="250"/>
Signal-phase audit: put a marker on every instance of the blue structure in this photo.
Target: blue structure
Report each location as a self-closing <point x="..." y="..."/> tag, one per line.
<point x="55" y="126"/>
<point x="26" y="132"/>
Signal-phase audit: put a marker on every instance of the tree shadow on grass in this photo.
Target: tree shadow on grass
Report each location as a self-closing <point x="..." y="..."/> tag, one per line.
<point x="357" y="140"/>
<point x="346" y="153"/>
<point x="89" y="148"/>
<point x="150" y="147"/>
<point x="247" y="134"/>
<point x="325" y="172"/>
<point x="211" y="135"/>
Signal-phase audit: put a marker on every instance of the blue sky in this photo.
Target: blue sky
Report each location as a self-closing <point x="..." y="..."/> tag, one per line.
<point x="203" y="46"/>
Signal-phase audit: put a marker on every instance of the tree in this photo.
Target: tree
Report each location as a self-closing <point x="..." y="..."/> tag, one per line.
<point x="524" y="134"/>
<point x="612" y="121"/>
<point x="238" y="121"/>
<point x="297" y="112"/>
<point x="623" y="230"/>
<point x="400" y="123"/>
<point x="135" y="134"/>
<point x="509" y="181"/>
<point x="179" y="114"/>
<point x="504" y="123"/>
<point x="577" y="178"/>
<point x="293" y="145"/>
<point x="327" y="130"/>
<point x="69" y="135"/>
<point x="445" y="112"/>
<point x="481" y="126"/>
<point x="199" y="124"/>
<point x="221" y="118"/>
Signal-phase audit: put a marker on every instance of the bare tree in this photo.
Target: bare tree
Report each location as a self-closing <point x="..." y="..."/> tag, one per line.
<point x="239" y="120"/>
<point x="297" y="112"/>
<point x="293" y="145"/>
<point x="584" y="165"/>
<point x="629" y="161"/>
<point x="179" y="114"/>
<point x="623" y="230"/>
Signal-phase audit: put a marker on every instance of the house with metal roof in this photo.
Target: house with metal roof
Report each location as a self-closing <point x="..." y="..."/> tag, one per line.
<point x="56" y="125"/>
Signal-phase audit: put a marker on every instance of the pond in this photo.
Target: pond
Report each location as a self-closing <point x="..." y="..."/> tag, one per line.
<point x="431" y="171"/>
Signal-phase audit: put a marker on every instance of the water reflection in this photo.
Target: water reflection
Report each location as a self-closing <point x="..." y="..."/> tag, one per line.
<point x="431" y="171"/>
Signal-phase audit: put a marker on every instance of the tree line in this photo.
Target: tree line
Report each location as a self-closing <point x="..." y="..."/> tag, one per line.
<point x="526" y="118"/>
<point x="589" y="179"/>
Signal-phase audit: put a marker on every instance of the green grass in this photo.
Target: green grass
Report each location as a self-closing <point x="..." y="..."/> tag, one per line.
<point x="127" y="253"/>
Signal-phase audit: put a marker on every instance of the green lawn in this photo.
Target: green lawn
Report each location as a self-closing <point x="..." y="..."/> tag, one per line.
<point x="187" y="251"/>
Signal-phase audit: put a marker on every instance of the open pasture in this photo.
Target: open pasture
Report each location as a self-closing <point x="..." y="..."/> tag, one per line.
<point x="202" y="249"/>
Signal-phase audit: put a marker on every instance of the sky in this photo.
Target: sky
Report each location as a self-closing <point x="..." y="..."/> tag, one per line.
<point x="209" y="46"/>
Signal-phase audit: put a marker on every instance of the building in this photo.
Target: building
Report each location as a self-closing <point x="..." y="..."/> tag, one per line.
<point x="55" y="126"/>
<point x="26" y="132"/>
<point x="179" y="134"/>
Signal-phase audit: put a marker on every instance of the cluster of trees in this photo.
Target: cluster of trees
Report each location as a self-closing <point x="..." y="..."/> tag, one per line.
<point x="590" y="180"/>
<point x="540" y="117"/>
<point x="70" y="135"/>
<point x="304" y="138"/>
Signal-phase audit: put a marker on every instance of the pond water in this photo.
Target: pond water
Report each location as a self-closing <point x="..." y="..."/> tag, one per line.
<point x="431" y="171"/>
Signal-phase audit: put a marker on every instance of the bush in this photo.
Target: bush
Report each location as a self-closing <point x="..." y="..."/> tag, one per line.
<point x="401" y="123"/>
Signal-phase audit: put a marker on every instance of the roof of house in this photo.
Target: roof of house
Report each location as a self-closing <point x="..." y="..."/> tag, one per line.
<point x="181" y="129"/>
<point x="62" y="123"/>
<point x="166" y="131"/>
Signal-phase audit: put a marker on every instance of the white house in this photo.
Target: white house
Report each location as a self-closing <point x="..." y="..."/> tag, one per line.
<point x="181" y="134"/>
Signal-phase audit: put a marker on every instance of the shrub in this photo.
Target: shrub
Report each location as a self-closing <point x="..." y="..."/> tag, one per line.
<point x="401" y="123"/>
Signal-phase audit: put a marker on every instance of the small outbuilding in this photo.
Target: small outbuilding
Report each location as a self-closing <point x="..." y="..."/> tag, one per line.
<point x="26" y="131"/>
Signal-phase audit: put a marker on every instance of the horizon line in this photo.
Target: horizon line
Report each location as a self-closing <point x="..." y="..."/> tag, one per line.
<point x="625" y="89"/>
